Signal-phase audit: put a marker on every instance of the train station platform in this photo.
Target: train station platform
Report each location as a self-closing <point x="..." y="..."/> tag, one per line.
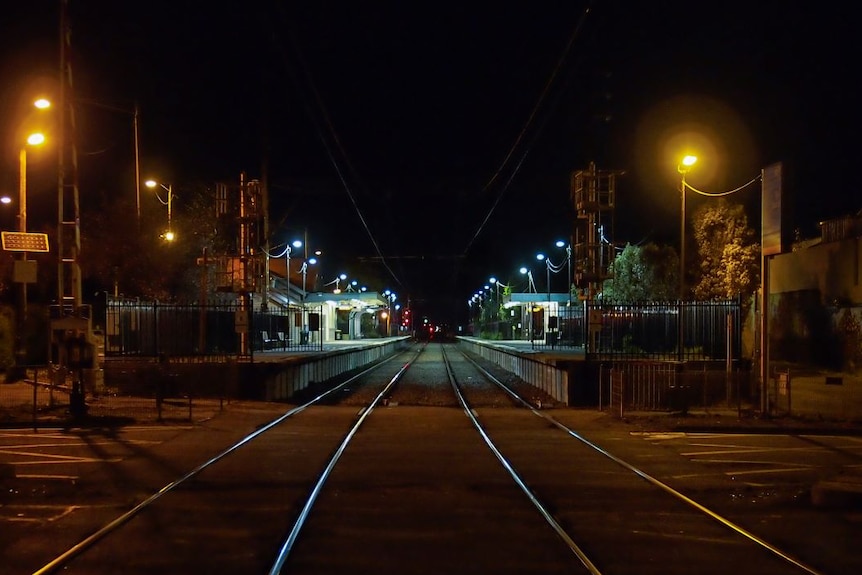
<point x="314" y="349"/>
<point x="537" y="348"/>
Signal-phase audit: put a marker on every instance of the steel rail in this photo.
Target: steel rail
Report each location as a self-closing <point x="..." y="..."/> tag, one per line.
<point x="649" y="478"/>
<point x="288" y="544"/>
<point x="63" y="559"/>
<point x="548" y="516"/>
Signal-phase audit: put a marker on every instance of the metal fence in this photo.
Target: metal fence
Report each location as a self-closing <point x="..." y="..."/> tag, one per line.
<point x="672" y="386"/>
<point x="201" y="332"/>
<point x="678" y="331"/>
<point x="43" y="397"/>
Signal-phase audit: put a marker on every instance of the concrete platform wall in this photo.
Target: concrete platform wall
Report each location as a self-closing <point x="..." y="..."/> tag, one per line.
<point x="299" y="372"/>
<point x="544" y="373"/>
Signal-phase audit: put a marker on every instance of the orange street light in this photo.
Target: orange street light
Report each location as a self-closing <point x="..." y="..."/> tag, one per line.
<point x="152" y="184"/>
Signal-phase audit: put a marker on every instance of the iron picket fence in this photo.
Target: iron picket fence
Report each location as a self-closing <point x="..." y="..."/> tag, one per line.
<point x="200" y="332"/>
<point x="680" y="331"/>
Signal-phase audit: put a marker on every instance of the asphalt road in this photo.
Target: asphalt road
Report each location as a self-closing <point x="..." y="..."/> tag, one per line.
<point x="61" y="485"/>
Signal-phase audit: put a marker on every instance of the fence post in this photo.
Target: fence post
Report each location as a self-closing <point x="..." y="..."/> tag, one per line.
<point x="35" y="386"/>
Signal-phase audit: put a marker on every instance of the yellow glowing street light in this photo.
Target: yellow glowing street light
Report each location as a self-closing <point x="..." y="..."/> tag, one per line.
<point x="152" y="184"/>
<point x="683" y="168"/>
<point x="42" y="103"/>
<point x="687" y="163"/>
<point x="36" y="139"/>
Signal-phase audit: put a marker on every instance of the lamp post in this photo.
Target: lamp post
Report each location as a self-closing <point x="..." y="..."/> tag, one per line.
<point x="541" y="257"/>
<point x="531" y="288"/>
<point x="337" y="282"/>
<point x="287" y="249"/>
<point x="35" y="139"/>
<point x="310" y="261"/>
<point x="531" y="285"/>
<point x="497" y="285"/>
<point x="390" y="298"/>
<point x="683" y="168"/>
<point x="152" y="184"/>
<point x="568" y="246"/>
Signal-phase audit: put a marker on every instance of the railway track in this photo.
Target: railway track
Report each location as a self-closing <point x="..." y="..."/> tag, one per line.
<point x="424" y="463"/>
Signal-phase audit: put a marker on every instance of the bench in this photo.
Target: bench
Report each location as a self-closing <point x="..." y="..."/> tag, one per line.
<point x="267" y="341"/>
<point x="283" y="341"/>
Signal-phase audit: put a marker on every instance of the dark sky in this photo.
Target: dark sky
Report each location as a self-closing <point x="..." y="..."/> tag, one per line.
<point x="393" y="130"/>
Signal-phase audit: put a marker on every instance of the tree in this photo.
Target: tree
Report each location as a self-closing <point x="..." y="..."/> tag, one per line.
<point x="120" y="252"/>
<point x="729" y="254"/>
<point x="648" y="273"/>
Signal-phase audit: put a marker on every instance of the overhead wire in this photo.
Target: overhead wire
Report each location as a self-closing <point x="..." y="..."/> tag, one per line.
<point x="330" y="129"/>
<point x="524" y="130"/>
<point x="720" y="194"/>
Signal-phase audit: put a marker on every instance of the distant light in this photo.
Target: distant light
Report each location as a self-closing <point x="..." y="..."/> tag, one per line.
<point x="42" y="103"/>
<point x="689" y="161"/>
<point x="523" y="270"/>
<point x="151" y="183"/>
<point x="312" y="261"/>
<point x="540" y="257"/>
<point x="297" y="243"/>
<point x="169" y="236"/>
<point x="560" y="243"/>
<point x="36" y="139"/>
<point x="6" y="200"/>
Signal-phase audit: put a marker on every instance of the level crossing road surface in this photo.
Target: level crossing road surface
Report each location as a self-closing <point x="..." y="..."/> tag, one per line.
<point x="59" y="485"/>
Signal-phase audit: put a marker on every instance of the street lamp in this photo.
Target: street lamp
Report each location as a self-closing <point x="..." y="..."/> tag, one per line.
<point x="541" y="257"/>
<point x="531" y="285"/>
<point x="152" y="184"/>
<point x="337" y="282"/>
<point x="310" y="261"/>
<point x="683" y="168"/>
<point x="493" y="281"/>
<point x="390" y="298"/>
<point x="287" y="249"/>
<point x="568" y="247"/>
<point x="35" y="139"/>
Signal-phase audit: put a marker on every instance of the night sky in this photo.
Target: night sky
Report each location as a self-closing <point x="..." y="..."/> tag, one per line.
<point x="432" y="143"/>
